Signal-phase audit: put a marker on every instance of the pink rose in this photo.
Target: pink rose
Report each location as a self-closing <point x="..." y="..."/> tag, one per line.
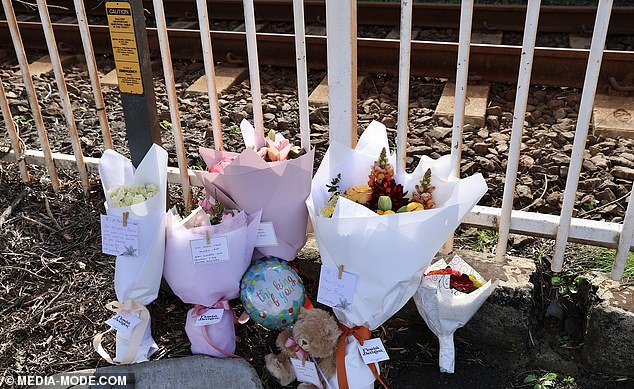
<point x="219" y="167"/>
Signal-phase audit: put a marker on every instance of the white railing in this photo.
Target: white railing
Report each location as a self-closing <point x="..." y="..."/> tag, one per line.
<point x="342" y="81"/>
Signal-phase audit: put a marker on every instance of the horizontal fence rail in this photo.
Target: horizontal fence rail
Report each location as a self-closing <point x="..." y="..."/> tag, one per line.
<point x="342" y="59"/>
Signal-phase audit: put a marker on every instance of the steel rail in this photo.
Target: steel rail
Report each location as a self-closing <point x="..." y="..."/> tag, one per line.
<point x="562" y="19"/>
<point x="552" y="66"/>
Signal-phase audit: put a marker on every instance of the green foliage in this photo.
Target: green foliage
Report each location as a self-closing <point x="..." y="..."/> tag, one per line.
<point x="547" y="380"/>
<point x="582" y="258"/>
<point x="567" y="282"/>
<point x="22" y="120"/>
<point x="589" y="206"/>
<point x="235" y="129"/>
<point x="165" y="125"/>
<point x="333" y="187"/>
<point x="482" y="240"/>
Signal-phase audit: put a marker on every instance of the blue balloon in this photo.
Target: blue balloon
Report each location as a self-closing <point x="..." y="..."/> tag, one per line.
<point x="272" y="293"/>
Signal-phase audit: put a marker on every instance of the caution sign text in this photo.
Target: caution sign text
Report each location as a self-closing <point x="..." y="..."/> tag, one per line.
<point x="126" y="56"/>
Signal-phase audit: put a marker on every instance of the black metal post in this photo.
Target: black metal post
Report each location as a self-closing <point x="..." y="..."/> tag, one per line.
<point x="134" y="72"/>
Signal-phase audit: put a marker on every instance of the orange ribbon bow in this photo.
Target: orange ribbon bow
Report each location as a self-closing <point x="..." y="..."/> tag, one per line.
<point x="361" y="334"/>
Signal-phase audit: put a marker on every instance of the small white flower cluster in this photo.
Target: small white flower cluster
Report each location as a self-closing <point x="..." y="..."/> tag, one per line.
<point x="126" y="195"/>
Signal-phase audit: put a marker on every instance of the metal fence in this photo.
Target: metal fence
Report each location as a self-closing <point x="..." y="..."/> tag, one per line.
<point x="342" y="79"/>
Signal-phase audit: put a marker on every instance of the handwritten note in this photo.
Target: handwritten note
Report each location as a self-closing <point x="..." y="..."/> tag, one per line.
<point x="117" y="239"/>
<point x="266" y="235"/>
<point x="211" y="317"/>
<point x="122" y="322"/>
<point x="334" y="292"/>
<point x="216" y="251"/>
<point x="373" y="351"/>
<point x="306" y="372"/>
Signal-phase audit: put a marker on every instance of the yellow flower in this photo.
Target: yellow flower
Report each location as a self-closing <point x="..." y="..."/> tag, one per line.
<point x="477" y="283"/>
<point x="359" y="194"/>
<point x="411" y="207"/>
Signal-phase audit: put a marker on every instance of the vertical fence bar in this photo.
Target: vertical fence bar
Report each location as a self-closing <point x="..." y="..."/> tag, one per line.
<point x="581" y="132"/>
<point x="462" y="73"/>
<point x="91" y="64"/>
<point x="13" y="135"/>
<point x="254" y="67"/>
<point x="210" y="72"/>
<point x="302" y="73"/>
<point x="625" y="241"/>
<point x="63" y="93"/>
<point x="30" y="92"/>
<point x="460" y="96"/>
<point x="341" y="26"/>
<point x="403" y="85"/>
<point x="168" y="73"/>
<point x="521" y="99"/>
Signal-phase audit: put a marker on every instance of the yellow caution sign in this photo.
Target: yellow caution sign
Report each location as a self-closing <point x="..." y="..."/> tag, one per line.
<point x="126" y="56"/>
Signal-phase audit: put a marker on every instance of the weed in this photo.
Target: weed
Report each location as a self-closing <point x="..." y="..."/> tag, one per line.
<point x="567" y="282"/>
<point x="22" y="120"/>
<point x="589" y="207"/>
<point x="582" y="258"/>
<point x="235" y="129"/>
<point x="481" y="240"/>
<point x="548" y="380"/>
<point x="166" y="125"/>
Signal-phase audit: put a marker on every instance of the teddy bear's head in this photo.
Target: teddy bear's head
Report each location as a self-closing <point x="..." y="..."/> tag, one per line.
<point x="316" y="331"/>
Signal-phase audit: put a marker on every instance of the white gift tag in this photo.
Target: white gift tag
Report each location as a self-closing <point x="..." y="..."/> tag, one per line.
<point x="203" y="253"/>
<point x="335" y="292"/>
<point x="122" y="322"/>
<point x="117" y="239"/>
<point x="266" y="235"/>
<point x="306" y="372"/>
<point x="211" y="317"/>
<point x="373" y="351"/>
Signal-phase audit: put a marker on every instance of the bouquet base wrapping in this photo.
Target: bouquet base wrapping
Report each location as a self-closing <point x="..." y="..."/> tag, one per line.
<point x="217" y="340"/>
<point x="145" y="349"/>
<point x="358" y="373"/>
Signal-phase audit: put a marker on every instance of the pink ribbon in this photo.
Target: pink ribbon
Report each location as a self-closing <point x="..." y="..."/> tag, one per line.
<point x="200" y="309"/>
<point x="292" y="345"/>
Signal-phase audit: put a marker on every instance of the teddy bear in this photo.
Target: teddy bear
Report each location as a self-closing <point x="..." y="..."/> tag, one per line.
<point x="314" y="337"/>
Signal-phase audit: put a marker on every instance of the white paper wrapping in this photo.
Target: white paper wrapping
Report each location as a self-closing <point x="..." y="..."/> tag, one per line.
<point x="388" y="253"/>
<point x="445" y="309"/>
<point x="139" y="278"/>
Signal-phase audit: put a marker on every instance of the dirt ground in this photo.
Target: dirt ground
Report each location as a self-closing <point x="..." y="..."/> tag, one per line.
<point x="54" y="283"/>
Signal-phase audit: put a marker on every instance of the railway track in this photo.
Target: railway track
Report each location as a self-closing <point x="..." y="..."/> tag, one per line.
<point x="561" y="19"/>
<point x="495" y="63"/>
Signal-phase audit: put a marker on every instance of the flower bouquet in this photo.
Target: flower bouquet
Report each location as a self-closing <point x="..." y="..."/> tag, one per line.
<point x="206" y="255"/>
<point x="269" y="175"/>
<point x="447" y="298"/>
<point x="366" y="224"/>
<point x="138" y="196"/>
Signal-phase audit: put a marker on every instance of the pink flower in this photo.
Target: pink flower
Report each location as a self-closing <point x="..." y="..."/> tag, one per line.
<point x="275" y="151"/>
<point x="219" y="167"/>
<point x="206" y="204"/>
<point x="227" y="217"/>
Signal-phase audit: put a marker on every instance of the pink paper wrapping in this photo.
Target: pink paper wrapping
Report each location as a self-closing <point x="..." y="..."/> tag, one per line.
<point x="222" y="335"/>
<point x="207" y="284"/>
<point x="279" y="189"/>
